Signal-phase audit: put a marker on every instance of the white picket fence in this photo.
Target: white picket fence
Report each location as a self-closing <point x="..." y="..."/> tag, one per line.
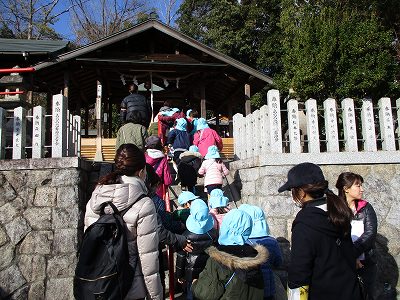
<point x="346" y="129"/>
<point x="65" y="132"/>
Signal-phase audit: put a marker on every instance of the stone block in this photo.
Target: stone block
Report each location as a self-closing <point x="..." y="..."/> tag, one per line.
<point x="17" y="229"/>
<point x="11" y="280"/>
<point x="3" y="236"/>
<point x="2" y="179"/>
<point x="67" y="196"/>
<point x="393" y="217"/>
<point x="7" y="193"/>
<point x="65" y="241"/>
<point x="16" y="178"/>
<point x="277" y="227"/>
<point x="33" y="267"/>
<point x="278" y="172"/>
<point x="64" y="177"/>
<point x="39" y="178"/>
<point x="249" y="188"/>
<point x="36" y="290"/>
<point x="27" y="195"/>
<point x="20" y="294"/>
<point x="7" y="255"/>
<point x="277" y="206"/>
<point x="65" y="217"/>
<point x="45" y="196"/>
<point x="61" y="266"/>
<point x="60" y="289"/>
<point x="38" y="217"/>
<point x="269" y="185"/>
<point x="37" y="242"/>
<point x="249" y="174"/>
<point x="8" y="212"/>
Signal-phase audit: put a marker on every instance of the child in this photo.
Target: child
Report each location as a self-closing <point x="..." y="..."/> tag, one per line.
<point x="184" y="200"/>
<point x="233" y="269"/>
<point x="157" y="159"/>
<point x="206" y="137"/>
<point x="213" y="169"/>
<point x="260" y="235"/>
<point x="179" y="139"/>
<point x="133" y="132"/>
<point x="190" y="162"/>
<point x="201" y="234"/>
<point x="191" y="117"/>
<point x="219" y="207"/>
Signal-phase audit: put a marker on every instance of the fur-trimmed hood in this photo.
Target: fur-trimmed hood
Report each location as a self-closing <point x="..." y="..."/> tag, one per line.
<point x="239" y="257"/>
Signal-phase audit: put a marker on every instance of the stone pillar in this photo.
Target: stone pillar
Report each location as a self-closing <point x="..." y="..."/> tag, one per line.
<point x="247" y="104"/>
<point x="398" y="121"/>
<point x="238" y="128"/>
<point x="349" y="125"/>
<point x="256" y="132"/>
<point x="312" y="126"/>
<point x="368" y="125"/>
<point x="249" y="138"/>
<point x="99" y="153"/>
<point x="274" y="113"/>
<point x="19" y="133"/>
<point x="66" y="84"/>
<point x="59" y="126"/>
<point x="38" y="132"/>
<point x="331" y="128"/>
<point x="264" y="129"/>
<point x="386" y="124"/>
<point x="294" y="126"/>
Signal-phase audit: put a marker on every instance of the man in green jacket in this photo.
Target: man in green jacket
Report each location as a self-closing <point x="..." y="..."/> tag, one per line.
<point x="132" y="132"/>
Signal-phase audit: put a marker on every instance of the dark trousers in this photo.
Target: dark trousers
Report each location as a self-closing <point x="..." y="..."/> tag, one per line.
<point x="368" y="275"/>
<point x="213" y="187"/>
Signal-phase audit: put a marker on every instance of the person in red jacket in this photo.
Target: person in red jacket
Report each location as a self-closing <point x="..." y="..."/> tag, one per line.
<point x="206" y="137"/>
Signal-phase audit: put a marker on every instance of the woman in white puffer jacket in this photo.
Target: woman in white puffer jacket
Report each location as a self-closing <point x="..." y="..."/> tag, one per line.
<point x="123" y="187"/>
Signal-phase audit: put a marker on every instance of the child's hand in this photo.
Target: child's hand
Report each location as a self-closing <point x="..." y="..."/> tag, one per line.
<point x="181" y="280"/>
<point x="188" y="247"/>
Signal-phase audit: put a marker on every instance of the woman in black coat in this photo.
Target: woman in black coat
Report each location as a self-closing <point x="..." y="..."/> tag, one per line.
<point x="323" y="261"/>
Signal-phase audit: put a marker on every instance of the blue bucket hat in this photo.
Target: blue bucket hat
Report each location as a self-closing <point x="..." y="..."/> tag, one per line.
<point x="216" y="193"/>
<point x="186" y="196"/>
<point x="218" y="201"/>
<point x="188" y="113"/>
<point x="201" y="124"/>
<point x="193" y="148"/>
<point x="235" y="228"/>
<point x="169" y="112"/>
<point x="199" y="221"/>
<point x="260" y="226"/>
<point x="181" y="124"/>
<point x="212" y="152"/>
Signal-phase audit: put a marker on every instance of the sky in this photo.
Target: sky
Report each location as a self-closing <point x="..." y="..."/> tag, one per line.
<point x="64" y="28"/>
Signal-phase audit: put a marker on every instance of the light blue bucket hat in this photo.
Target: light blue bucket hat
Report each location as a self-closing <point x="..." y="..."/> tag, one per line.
<point x="170" y="112"/>
<point x="218" y="201"/>
<point x="212" y="152"/>
<point x="181" y="124"/>
<point x="188" y="113"/>
<point x="201" y="124"/>
<point x="194" y="148"/>
<point x="186" y="196"/>
<point x="260" y="226"/>
<point x="216" y="193"/>
<point x="235" y="228"/>
<point x="199" y="221"/>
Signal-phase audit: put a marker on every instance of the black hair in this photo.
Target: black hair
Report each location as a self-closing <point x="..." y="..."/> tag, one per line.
<point x="134" y="117"/>
<point x="346" y="180"/>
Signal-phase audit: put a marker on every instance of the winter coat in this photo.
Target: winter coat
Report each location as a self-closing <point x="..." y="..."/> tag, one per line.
<point x="366" y="242"/>
<point x="136" y="102"/>
<point x="205" y="138"/>
<point x="218" y="217"/>
<point x="167" y="122"/>
<point x="322" y="256"/>
<point x="232" y="272"/>
<point x="156" y="158"/>
<point x="274" y="260"/>
<point x="141" y="226"/>
<point x="131" y="133"/>
<point x="179" y="139"/>
<point x="190" y="264"/>
<point x="212" y="171"/>
<point x="188" y="166"/>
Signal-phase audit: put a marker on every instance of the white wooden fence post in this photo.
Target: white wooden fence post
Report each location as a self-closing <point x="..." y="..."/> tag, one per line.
<point x="264" y="130"/>
<point x="349" y="125"/>
<point x="19" y="133"/>
<point x="38" y="132"/>
<point x="77" y="135"/>
<point x="3" y="114"/>
<point x="312" y="126"/>
<point x="331" y="128"/>
<point x="368" y="125"/>
<point x="274" y="113"/>
<point x="294" y="126"/>
<point x="386" y="124"/>
<point x="59" y="126"/>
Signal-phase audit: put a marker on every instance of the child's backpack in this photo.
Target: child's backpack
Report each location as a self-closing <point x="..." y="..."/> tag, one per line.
<point x="103" y="270"/>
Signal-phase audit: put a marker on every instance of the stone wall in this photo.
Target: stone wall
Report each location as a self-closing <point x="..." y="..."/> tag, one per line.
<point x="259" y="185"/>
<point x="39" y="221"/>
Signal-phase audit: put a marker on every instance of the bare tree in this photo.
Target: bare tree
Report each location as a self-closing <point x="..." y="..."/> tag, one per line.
<point x="31" y="19"/>
<point x="94" y="19"/>
<point x="167" y="10"/>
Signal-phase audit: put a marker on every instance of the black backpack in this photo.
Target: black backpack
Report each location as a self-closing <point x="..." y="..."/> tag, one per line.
<point x="103" y="270"/>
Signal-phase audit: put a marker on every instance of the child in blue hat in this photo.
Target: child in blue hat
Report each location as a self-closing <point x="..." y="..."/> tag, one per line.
<point x="190" y="162"/>
<point x="178" y="139"/>
<point x="201" y="235"/>
<point x="260" y="235"/>
<point x="213" y="169"/>
<point x="184" y="200"/>
<point x="233" y="268"/>
<point x="219" y="207"/>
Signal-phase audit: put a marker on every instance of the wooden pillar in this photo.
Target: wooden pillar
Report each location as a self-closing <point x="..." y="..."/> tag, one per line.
<point x="109" y="119"/>
<point x="87" y="120"/>
<point x="203" y="109"/>
<point x="99" y="154"/>
<point x="230" y="115"/>
<point x="247" y="105"/>
<point x="66" y="84"/>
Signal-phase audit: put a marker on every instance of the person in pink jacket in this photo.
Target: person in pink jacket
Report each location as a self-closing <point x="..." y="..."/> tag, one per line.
<point x="206" y="137"/>
<point x="213" y="170"/>
<point x="157" y="159"/>
<point x="219" y="206"/>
